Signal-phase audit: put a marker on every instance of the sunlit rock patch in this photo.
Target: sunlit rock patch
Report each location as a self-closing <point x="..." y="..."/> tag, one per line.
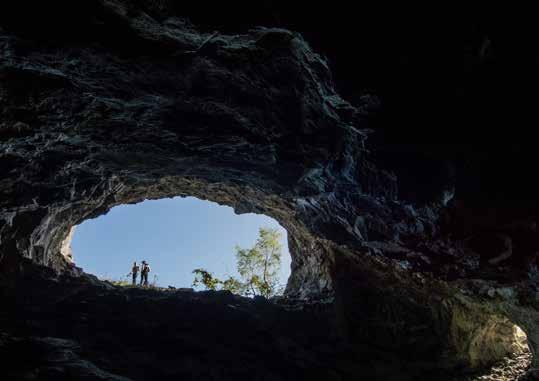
<point x="135" y="102"/>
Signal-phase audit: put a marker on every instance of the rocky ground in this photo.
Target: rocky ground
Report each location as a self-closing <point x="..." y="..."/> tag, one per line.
<point x="65" y="328"/>
<point x="86" y="329"/>
<point x="509" y="369"/>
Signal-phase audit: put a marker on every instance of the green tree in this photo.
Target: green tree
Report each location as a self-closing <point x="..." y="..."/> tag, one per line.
<point x="233" y="285"/>
<point x="206" y="279"/>
<point x="258" y="268"/>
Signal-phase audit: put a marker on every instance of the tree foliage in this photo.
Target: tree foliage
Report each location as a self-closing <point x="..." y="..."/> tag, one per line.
<point x="258" y="268"/>
<point x="206" y="279"/>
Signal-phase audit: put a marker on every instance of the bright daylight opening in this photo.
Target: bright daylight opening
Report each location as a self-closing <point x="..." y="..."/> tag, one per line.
<point x="183" y="240"/>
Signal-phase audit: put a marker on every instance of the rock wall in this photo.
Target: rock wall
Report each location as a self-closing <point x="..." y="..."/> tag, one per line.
<point x="249" y="120"/>
<point x="121" y="101"/>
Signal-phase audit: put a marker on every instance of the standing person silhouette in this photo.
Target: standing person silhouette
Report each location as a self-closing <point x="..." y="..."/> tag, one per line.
<point x="144" y="273"/>
<point x="134" y="272"/>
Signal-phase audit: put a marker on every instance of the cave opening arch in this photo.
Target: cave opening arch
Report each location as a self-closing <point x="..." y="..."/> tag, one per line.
<point x="175" y="236"/>
<point x="252" y="121"/>
<point x="50" y="244"/>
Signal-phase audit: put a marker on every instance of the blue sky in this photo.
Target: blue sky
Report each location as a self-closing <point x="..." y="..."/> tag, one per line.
<point x="174" y="235"/>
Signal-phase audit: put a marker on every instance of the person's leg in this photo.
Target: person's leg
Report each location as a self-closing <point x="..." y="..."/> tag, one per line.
<point x="141" y="278"/>
<point x="134" y="279"/>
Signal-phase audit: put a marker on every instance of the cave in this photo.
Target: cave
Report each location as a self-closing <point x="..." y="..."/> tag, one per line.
<point x="414" y="252"/>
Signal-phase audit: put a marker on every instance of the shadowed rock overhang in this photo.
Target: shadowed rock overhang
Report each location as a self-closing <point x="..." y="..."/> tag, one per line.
<point x="135" y="102"/>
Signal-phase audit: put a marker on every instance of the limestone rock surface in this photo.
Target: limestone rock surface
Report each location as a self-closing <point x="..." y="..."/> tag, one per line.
<point x="108" y="102"/>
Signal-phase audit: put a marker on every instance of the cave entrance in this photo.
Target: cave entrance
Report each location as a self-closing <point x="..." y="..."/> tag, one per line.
<point x="175" y="236"/>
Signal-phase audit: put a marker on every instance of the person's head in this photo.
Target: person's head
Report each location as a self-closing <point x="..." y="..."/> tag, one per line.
<point x="135" y="263"/>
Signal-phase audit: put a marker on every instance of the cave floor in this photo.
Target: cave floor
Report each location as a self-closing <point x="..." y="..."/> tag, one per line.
<point x="80" y="328"/>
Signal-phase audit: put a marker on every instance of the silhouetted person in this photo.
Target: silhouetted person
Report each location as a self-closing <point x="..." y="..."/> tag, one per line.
<point x="144" y="273"/>
<point x="134" y="272"/>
